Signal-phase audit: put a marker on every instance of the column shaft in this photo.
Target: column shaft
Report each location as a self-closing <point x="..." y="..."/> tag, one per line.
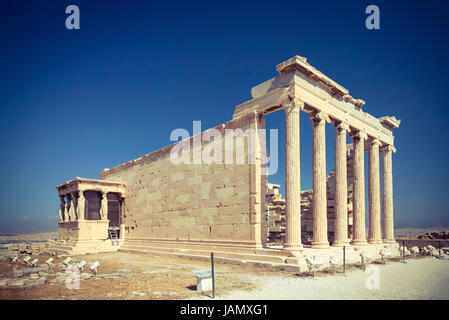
<point x="341" y="187"/>
<point x="374" y="235"/>
<point x="62" y="209"/>
<point x="67" y="208"/>
<point x="72" y="212"/>
<point x="319" y="182"/>
<point x="104" y="206"/>
<point x="359" y="232"/>
<point x="81" y="205"/>
<point x="387" y="195"/>
<point x="292" y="179"/>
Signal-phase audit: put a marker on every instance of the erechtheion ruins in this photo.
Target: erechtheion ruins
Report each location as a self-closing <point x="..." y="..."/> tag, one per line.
<point x="190" y="209"/>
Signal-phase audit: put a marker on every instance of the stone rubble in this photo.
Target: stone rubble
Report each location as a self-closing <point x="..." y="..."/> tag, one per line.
<point x="275" y="207"/>
<point x="443" y="235"/>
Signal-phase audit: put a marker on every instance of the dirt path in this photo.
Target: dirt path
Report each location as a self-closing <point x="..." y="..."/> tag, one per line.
<point x="426" y="278"/>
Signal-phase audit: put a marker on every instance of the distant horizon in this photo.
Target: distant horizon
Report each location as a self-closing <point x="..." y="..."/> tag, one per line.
<point x="436" y="228"/>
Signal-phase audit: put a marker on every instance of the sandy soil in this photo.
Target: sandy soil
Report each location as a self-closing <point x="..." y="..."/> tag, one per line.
<point x="159" y="277"/>
<point x="151" y="277"/>
<point x="425" y="278"/>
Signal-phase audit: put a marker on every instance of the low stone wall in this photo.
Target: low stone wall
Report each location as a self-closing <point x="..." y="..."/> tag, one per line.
<point x="83" y="230"/>
<point x="420" y="243"/>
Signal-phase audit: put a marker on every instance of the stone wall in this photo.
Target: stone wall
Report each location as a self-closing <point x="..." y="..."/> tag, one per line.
<point x="83" y="230"/>
<point x="194" y="202"/>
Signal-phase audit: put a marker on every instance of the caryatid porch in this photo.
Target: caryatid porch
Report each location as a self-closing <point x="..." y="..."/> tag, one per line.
<point x="89" y="207"/>
<point x="301" y="87"/>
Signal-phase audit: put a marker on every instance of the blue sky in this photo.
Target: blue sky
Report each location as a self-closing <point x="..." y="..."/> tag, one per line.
<point x="76" y="101"/>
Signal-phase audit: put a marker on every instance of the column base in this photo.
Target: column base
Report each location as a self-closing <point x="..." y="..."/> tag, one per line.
<point x="320" y="245"/>
<point x="341" y="243"/>
<point x="293" y="250"/>
<point x="374" y="241"/>
<point x="359" y="242"/>
<point x="388" y="241"/>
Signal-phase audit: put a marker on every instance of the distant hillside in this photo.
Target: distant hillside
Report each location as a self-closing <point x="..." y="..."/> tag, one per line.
<point x="36" y="236"/>
<point x="415" y="232"/>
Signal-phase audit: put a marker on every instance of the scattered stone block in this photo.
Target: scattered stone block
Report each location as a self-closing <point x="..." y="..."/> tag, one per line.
<point x="44" y="266"/>
<point x="17" y="283"/>
<point x="203" y="280"/>
<point x="49" y="262"/>
<point x="17" y="273"/>
<point x="26" y="259"/>
<point x="34" y="276"/>
<point x="28" y="271"/>
<point x="140" y="294"/>
<point x="62" y="268"/>
<point x="314" y="263"/>
<point x="67" y="261"/>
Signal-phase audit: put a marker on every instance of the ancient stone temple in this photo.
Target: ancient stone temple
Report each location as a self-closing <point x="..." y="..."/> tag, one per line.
<point x="191" y="209"/>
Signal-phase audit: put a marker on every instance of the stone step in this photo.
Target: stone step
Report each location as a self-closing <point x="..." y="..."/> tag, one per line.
<point x="263" y="257"/>
<point x="206" y="253"/>
<point x="207" y="246"/>
<point x="218" y="258"/>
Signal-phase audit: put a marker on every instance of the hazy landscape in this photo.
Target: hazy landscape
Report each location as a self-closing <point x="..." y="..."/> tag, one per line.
<point x="44" y="236"/>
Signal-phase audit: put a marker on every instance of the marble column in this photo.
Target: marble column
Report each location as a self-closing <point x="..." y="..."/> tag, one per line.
<point x="387" y="194"/>
<point x="374" y="234"/>
<point x="104" y="206"/>
<point x="359" y="232"/>
<point x="62" y="212"/>
<point x="72" y="212"/>
<point x="341" y="187"/>
<point x="320" y="239"/>
<point x="68" y="207"/>
<point x="81" y="205"/>
<point x="292" y="177"/>
<point x="122" y="217"/>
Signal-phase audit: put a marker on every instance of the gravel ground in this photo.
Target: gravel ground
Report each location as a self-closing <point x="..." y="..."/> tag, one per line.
<point x="426" y="278"/>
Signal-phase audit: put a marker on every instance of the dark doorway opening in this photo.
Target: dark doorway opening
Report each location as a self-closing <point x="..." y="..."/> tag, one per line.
<point x="113" y="209"/>
<point x="93" y="201"/>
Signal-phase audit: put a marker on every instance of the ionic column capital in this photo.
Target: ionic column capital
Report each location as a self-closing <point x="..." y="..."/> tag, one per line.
<point x="319" y="117"/>
<point x="293" y="104"/>
<point x="359" y="135"/>
<point x="342" y="127"/>
<point x="374" y="142"/>
<point x="388" y="148"/>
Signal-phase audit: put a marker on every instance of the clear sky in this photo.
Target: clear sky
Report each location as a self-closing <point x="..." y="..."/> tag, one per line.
<point x="76" y="101"/>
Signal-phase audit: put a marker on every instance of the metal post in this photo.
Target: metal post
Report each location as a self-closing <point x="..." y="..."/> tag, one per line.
<point x="344" y="259"/>
<point x="403" y="250"/>
<point x="439" y="248"/>
<point x="213" y="274"/>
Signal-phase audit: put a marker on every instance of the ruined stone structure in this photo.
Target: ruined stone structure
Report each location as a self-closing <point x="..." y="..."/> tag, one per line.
<point x="275" y="207"/>
<point x="192" y="209"/>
